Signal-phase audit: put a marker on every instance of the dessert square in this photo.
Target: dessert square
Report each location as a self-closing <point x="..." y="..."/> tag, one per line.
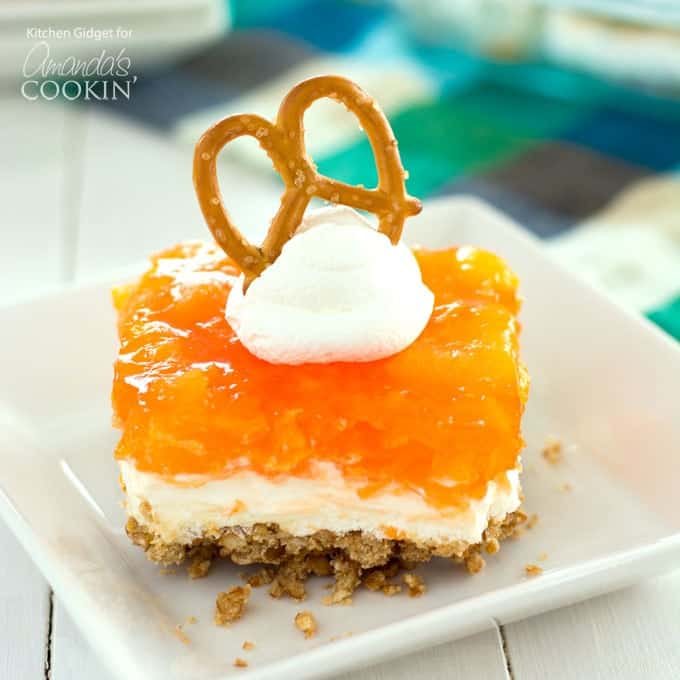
<point x="330" y="402"/>
<point x="401" y="458"/>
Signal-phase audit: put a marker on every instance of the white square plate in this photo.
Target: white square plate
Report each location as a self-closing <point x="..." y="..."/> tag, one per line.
<point x="604" y="381"/>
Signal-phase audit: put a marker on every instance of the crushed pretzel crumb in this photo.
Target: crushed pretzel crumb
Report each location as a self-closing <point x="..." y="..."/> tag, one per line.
<point x="290" y="580"/>
<point x="319" y="565"/>
<point x="520" y="517"/>
<point x="262" y="577"/>
<point x="492" y="546"/>
<point x="533" y="570"/>
<point x="306" y="622"/>
<point x="552" y="450"/>
<point x="532" y="521"/>
<point x="353" y="560"/>
<point x="192" y="619"/>
<point x="391" y="589"/>
<point x="474" y="563"/>
<point x="375" y="580"/>
<point x="415" y="584"/>
<point x="181" y="635"/>
<point x="248" y="645"/>
<point x="199" y="568"/>
<point x="347" y="579"/>
<point x="230" y="605"/>
<point x="240" y="663"/>
<point x="543" y="557"/>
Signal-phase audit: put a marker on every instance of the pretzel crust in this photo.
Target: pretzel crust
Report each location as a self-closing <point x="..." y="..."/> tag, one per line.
<point x="284" y="143"/>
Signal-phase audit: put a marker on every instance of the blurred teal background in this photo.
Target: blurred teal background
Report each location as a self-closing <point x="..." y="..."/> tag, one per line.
<point x="567" y="121"/>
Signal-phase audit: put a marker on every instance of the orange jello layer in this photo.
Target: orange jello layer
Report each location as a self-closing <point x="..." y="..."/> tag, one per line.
<point x="191" y="399"/>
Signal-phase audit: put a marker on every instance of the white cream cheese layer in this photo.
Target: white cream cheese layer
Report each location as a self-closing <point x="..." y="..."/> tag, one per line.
<point x="182" y="511"/>
<point x="339" y="291"/>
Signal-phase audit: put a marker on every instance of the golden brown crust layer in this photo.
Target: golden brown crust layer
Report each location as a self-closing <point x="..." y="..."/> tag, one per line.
<point x="351" y="557"/>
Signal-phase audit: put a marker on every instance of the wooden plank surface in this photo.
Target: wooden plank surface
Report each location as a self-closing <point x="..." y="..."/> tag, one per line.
<point x="627" y="635"/>
<point x="478" y="657"/>
<point x="24" y="613"/>
<point x="33" y="160"/>
<point x="72" y="657"/>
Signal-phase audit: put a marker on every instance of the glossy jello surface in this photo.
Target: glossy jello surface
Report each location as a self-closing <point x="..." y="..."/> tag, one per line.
<point x="441" y="418"/>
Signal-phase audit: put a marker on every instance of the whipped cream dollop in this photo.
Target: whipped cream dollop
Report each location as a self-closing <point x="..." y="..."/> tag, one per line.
<point x="339" y="291"/>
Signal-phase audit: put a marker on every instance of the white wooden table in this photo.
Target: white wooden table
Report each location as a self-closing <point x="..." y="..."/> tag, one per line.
<point x="83" y="195"/>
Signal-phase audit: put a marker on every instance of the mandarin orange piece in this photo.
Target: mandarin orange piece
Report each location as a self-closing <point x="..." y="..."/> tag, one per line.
<point x="192" y="400"/>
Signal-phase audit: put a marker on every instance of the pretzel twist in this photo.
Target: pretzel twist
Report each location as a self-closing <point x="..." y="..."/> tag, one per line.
<point x="284" y="143"/>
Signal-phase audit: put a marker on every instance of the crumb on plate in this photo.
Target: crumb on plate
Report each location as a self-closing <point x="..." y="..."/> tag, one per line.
<point x="181" y="635"/>
<point x="533" y="570"/>
<point x="230" y="604"/>
<point x="532" y="521"/>
<point x="552" y="450"/>
<point x="248" y="645"/>
<point x="240" y="663"/>
<point x="415" y="584"/>
<point x="306" y="622"/>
